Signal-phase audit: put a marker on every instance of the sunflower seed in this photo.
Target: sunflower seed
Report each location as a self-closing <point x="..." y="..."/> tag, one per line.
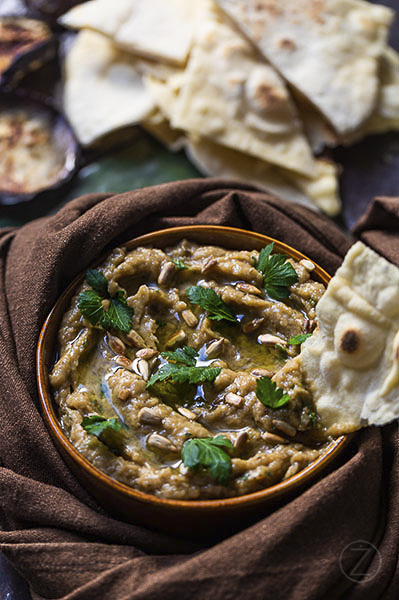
<point x="215" y="348"/>
<point x="176" y="339"/>
<point x="190" y="318"/>
<point x="271" y="340"/>
<point x="292" y="470"/>
<point x="210" y="263"/>
<point x="272" y="438"/>
<point x="185" y="412"/>
<point x="123" y="361"/>
<point x="146" y="353"/>
<point x="247" y="288"/>
<point x="252" y="325"/>
<point x="284" y="427"/>
<point x="159" y="441"/>
<point x="262" y="373"/>
<point x="234" y="399"/>
<point x="309" y="266"/>
<point x="147" y="416"/>
<point x="240" y="440"/>
<point x="116" y="344"/>
<point x="166" y="273"/>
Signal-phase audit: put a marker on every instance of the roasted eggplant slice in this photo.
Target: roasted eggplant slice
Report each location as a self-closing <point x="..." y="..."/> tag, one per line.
<point x="25" y="44"/>
<point x="38" y="150"/>
<point x="51" y="9"/>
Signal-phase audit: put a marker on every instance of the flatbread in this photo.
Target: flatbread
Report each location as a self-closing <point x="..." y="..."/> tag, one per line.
<point x="232" y="97"/>
<point x="151" y="28"/>
<point x="103" y="90"/>
<point x="351" y="362"/>
<point x="158" y="126"/>
<point x="329" y="50"/>
<point x="386" y="114"/>
<point x="218" y="161"/>
<point x="322" y="188"/>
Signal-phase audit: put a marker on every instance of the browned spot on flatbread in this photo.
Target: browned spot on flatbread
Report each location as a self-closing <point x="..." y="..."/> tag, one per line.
<point x="287" y="44"/>
<point x="267" y="95"/>
<point x="350" y="341"/>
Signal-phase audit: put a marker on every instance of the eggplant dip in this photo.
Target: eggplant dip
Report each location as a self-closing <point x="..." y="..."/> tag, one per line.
<point x="178" y="373"/>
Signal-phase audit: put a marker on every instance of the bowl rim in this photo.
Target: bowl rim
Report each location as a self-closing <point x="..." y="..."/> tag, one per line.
<point x="47" y="404"/>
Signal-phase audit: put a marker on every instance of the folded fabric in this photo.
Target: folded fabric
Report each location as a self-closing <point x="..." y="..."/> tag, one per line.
<point x="54" y="532"/>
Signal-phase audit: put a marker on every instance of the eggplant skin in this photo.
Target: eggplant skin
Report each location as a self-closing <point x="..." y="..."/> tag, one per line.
<point x="25" y="44"/>
<point x="38" y="150"/>
<point x="51" y="9"/>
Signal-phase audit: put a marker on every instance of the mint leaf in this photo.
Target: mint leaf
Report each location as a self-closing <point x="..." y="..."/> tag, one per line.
<point x="269" y="394"/>
<point x="179" y="264"/>
<point x="296" y="340"/>
<point x="278" y="274"/>
<point x="96" y="424"/>
<point x="184" y="374"/>
<point x="118" y="314"/>
<point x="211" y="302"/>
<point x="185" y="356"/>
<point x="209" y="454"/>
<point x="97" y="280"/>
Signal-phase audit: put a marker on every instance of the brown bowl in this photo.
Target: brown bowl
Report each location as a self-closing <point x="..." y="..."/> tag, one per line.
<point x="197" y="519"/>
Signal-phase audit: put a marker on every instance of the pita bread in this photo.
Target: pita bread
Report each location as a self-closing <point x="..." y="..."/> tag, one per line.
<point x="386" y="115"/>
<point x="351" y="362"/>
<point x="151" y="28"/>
<point x="103" y="89"/>
<point x="234" y="98"/>
<point x="218" y="161"/>
<point x="322" y="188"/>
<point x="158" y="126"/>
<point x="329" y="50"/>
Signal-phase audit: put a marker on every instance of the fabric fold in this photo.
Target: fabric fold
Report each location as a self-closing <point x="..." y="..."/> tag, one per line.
<point x="54" y="532"/>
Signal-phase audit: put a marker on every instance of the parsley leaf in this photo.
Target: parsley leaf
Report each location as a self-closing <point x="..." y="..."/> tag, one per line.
<point x="185" y="356"/>
<point x="179" y="264"/>
<point x="118" y="314"/>
<point x="208" y="299"/>
<point x="97" y="280"/>
<point x="96" y="424"/>
<point x="269" y="394"/>
<point x="296" y="340"/>
<point x="209" y="454"/>
<point x="184" y="374"/>
<point x="278" y="274"/>
<point x="182" y="369"/>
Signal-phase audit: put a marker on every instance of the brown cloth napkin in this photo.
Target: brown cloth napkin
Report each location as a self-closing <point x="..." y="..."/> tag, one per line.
<point x="57" y="536"/>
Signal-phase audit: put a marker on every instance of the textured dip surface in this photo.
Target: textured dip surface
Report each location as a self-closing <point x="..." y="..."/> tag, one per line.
<point x="107" y="374"/>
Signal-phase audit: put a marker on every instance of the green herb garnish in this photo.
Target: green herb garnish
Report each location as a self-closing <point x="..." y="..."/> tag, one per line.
<point x="182" y="369"/>
<point x="184" y="374"/>
<point x="209" y="454"/>
<point x="96" y="424"/>
<point x="269" y="394"/>
<point x="278" y="274"/>
<point x="114" y="313"/>
<point x="208" y="299"/>
<point x="296" y="340"/>
<point x="185" y="356"/>
<point x="179" y="264"/>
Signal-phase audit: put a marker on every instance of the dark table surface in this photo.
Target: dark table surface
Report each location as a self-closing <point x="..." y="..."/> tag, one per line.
<point x="369" y="168"/>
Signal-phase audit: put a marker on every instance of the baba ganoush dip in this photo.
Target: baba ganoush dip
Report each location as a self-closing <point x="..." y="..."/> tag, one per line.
<point x="177" y="373"/>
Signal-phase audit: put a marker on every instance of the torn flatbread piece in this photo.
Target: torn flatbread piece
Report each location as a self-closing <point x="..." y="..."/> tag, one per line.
<point x="231" y="96"/>
<point x="386" y="114"/>
<point x="327" y="49"/>
<point x="103" y="90"/>
<point x="151" y="28"/>
<point x="351" y="362"/>
<point x="218" y="161"/>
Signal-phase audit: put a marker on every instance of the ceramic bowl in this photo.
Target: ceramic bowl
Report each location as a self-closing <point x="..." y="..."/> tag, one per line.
<point x="197" y="519"/>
